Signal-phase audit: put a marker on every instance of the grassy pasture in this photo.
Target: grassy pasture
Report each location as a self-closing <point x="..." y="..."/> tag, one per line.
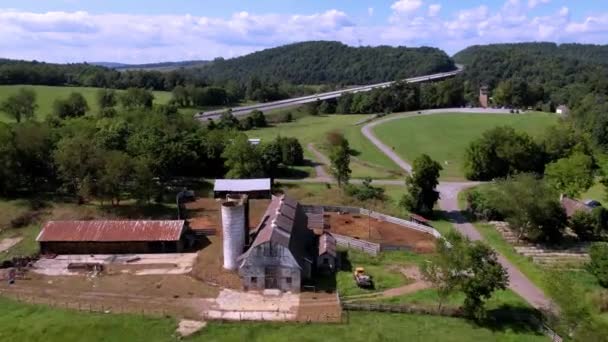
<point x="46" y="95"/>
<point x="445" y="137"/>
<point x="367" y="161"/>
<point x="24" y="322"/>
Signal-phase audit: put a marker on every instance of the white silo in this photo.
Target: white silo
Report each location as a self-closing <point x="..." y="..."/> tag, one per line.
<point x="233" y="229"/>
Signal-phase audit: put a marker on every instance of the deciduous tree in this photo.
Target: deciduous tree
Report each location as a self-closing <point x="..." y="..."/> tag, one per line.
<point x="340" y="162"/>
<point x="572" y="175"/>
<point x="421" y="195"/>
<point x="21" y="105"/>
<point x="242" y="159"/>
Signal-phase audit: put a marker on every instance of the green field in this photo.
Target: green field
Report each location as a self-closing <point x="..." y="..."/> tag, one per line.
<point x="23" y="322"/>
<point x="46" y="95"/>
<point x="368" y="161"/>
<point x="445" y="137"/>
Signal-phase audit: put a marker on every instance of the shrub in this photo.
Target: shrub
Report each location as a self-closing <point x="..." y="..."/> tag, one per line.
<point x="479" y="204"/>
<point x="25" y="219"/>
<point x="365" y="191"/>
<point x="598" y="265"/>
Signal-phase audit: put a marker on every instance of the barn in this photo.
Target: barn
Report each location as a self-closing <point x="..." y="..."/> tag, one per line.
<point x="280" y="256"/>
<point x="111" y="237"/>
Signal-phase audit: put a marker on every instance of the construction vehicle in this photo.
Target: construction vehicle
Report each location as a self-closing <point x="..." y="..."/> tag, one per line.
<point x="362" y="279"/>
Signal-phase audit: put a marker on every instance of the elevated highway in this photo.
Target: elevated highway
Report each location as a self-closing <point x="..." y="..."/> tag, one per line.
<point x="244" y="110"/>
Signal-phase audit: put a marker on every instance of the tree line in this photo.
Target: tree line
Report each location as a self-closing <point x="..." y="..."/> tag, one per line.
<point x="129" y="151"/>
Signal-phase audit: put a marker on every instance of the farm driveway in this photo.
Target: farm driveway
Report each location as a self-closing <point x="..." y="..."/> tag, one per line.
<point x="449" y="202"/>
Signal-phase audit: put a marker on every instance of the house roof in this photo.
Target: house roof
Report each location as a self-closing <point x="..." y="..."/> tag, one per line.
<point x="327" y="244"/>
<point x="572" y="206"/>
<point x="242" y="185"/>
<point x="284" y="223"/>
<point x="111" y="231"/>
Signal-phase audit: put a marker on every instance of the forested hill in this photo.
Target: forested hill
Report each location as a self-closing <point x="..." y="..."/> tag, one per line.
<point x="551" y="73"/>
<point x="543" y="76"/>
<point x="322" y="62"/>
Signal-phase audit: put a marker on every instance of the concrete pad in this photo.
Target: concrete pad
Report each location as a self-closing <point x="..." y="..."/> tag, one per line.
<point x="253" y="306"/>
<point x="187" y="327"/>
<point x="153" y="264"/>
<point x="6" y="244"/>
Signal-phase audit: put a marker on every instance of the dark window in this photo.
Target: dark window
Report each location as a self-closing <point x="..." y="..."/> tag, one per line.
<point x="288" y="280"/>
<point x="254" y="280"/>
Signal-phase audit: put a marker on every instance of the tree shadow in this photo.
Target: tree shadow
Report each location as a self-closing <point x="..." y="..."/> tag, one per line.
<point x="292" y="173"/>
<point x="513" y="318"/>
<point x="141" y="211"/>
<point x="353" y="152"/>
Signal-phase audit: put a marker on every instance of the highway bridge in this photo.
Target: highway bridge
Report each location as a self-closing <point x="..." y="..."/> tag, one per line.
<point x="244" y="110"/>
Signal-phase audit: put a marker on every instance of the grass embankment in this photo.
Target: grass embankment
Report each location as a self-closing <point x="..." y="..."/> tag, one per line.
<point x="445" y="137"/>
<point x="46" y="95"/>
<point x="367" y="161"/>
<point x="384" y="269"/>
<point x="23" y="322"/>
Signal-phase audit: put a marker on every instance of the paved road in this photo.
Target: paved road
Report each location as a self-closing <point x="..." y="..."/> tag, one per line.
<point x="518" y="282"/>
<point x="449" y="203"/>
<point x="244" y="110"/>
<point x="368" y="133"/>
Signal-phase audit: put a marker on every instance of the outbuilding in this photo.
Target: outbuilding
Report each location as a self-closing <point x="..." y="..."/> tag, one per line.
<point x="111" y="237"/>
<point x="253" y="188"/>
<point x="326" y="260"/>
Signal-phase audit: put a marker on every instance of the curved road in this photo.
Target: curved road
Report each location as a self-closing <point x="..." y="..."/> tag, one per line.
<point x="518" y="282"/>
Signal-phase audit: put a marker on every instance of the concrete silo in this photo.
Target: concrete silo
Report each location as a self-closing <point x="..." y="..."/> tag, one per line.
<point x="233" y="229"/>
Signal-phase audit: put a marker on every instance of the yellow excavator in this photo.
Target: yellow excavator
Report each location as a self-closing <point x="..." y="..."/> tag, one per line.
<point x="362" y="279"/>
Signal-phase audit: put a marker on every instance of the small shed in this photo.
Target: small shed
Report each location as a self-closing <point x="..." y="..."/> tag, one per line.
<point x="253" y="188"/>
<point x="111" y="237"/>
<point x="571" y="206"/>
<point x="326" y="260"/>
<point x="562" y="110"/>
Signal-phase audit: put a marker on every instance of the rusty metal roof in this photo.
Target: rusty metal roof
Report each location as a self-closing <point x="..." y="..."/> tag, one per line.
<point x="111" y="231"/>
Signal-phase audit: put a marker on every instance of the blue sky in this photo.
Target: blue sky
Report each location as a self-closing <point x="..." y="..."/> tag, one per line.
<point x="148" y="31"/>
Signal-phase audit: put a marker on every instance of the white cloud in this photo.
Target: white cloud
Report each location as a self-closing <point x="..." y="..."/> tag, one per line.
<point x="82" y="36"/>
<point x="534" y="3"/>
<point x="434" y="9"/>
<point x="370" y="11"/>
<point x="406" y="6"/>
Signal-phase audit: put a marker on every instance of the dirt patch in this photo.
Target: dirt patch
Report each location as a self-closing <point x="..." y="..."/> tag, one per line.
<point x="204" y="213"/>
<point x="319" y="307"/>
<point x="6" y="244"/>
<point x="208" y="266"/>
<point x="379" y="231"/>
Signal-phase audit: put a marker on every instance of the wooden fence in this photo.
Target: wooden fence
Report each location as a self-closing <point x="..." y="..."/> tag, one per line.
<point x="361" y="245"/>
<point x="379" y="216"/>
